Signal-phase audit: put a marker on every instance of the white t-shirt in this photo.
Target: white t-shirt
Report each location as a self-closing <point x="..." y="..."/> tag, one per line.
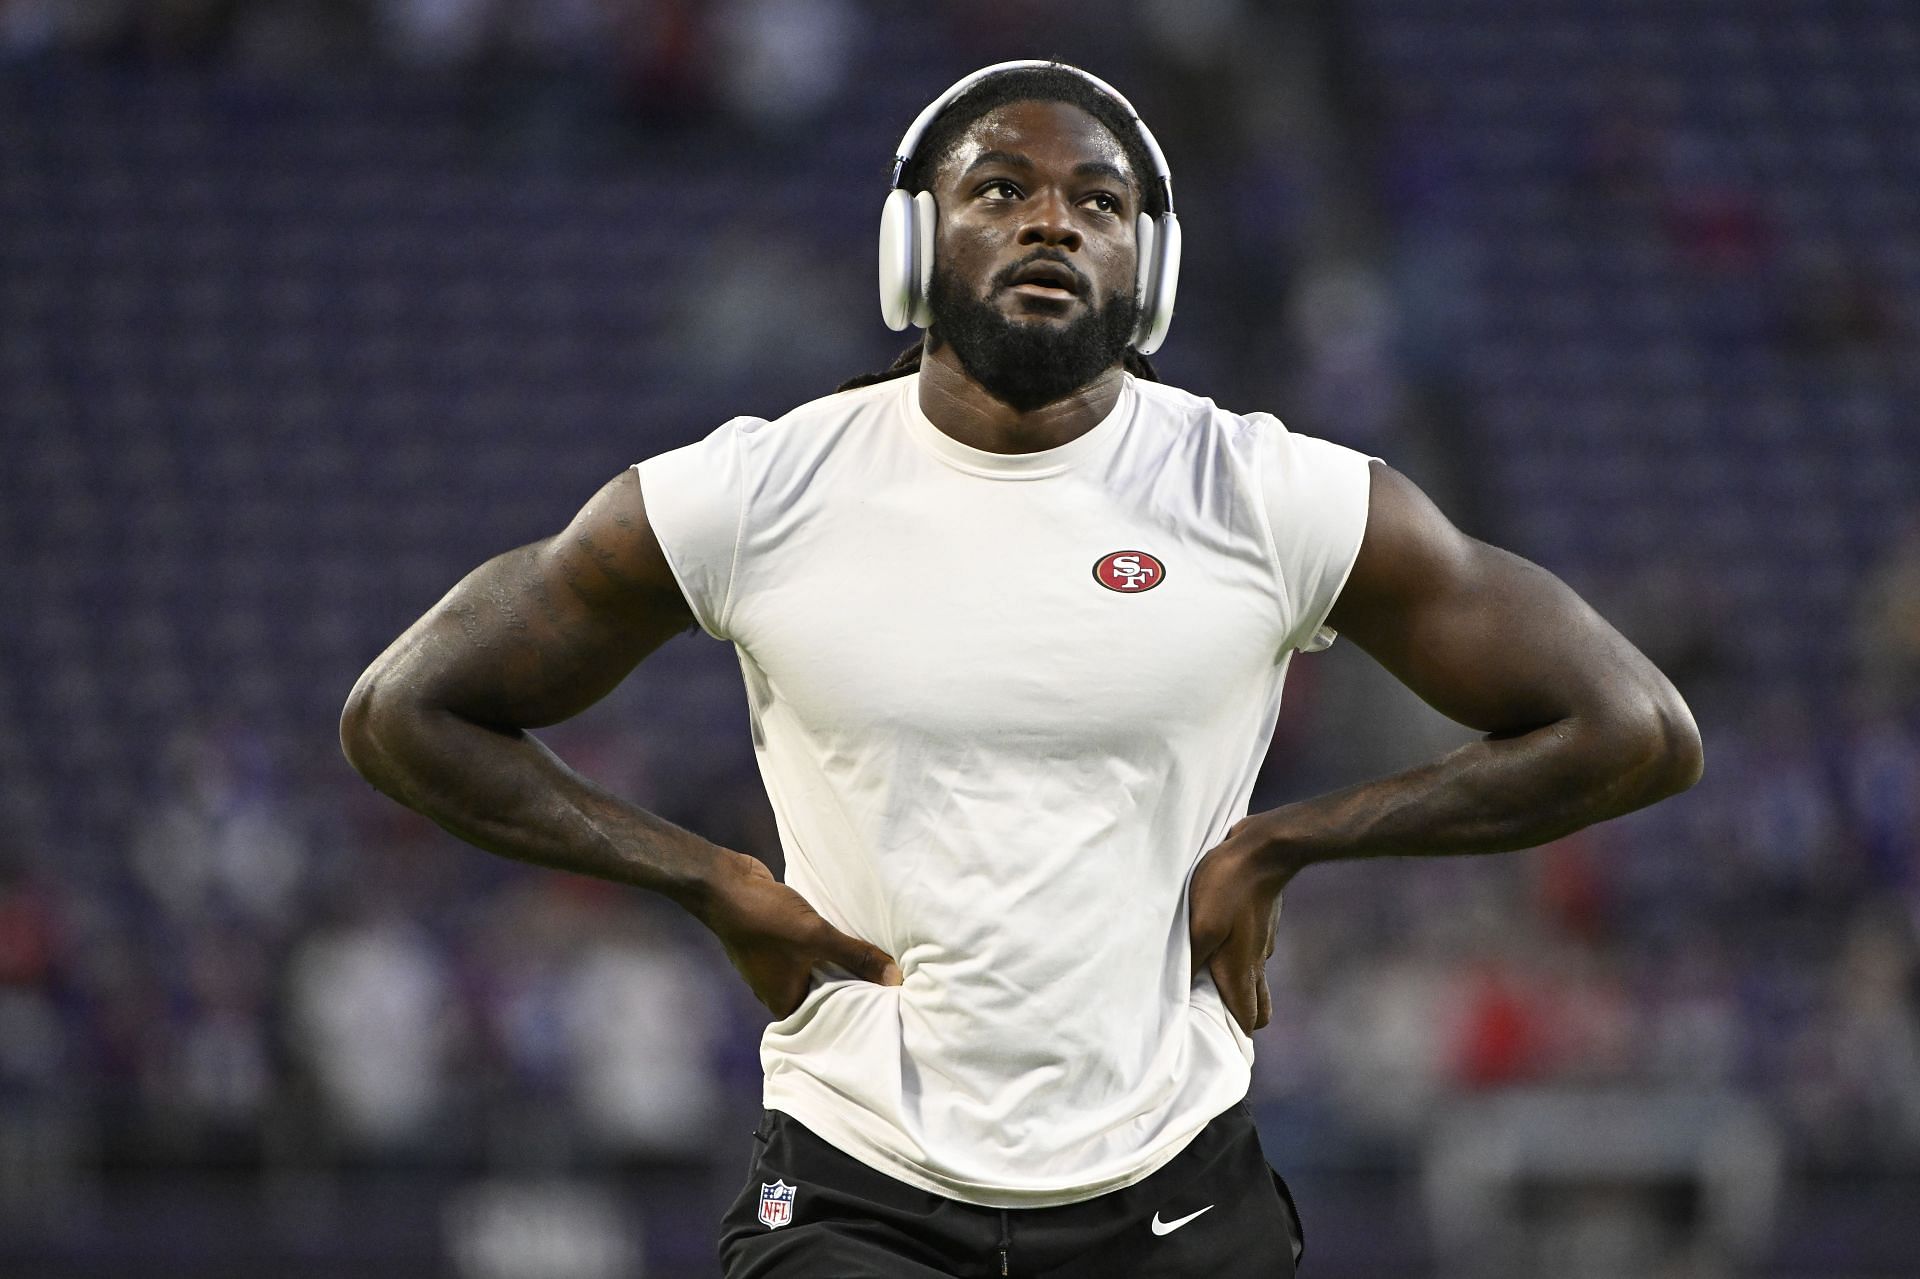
<point x="1002" y="705"/>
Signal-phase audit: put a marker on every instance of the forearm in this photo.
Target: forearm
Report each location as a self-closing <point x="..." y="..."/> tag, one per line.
<point x="1493" y="795"/>
<point x="502" y="790"/>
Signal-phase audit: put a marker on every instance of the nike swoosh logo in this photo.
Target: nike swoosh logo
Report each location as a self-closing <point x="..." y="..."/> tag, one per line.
<point x="1168" y="1227"/>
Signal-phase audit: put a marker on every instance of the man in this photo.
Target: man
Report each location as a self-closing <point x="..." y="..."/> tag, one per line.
<point x="1013" y="622"/>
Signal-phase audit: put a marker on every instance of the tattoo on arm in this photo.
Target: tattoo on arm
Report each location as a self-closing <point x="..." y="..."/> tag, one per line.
<point x="468" y="616"/>
<point x="607" y="560"/>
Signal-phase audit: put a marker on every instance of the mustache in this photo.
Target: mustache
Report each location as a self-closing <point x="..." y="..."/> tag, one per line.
<point x="1005" y="278"/>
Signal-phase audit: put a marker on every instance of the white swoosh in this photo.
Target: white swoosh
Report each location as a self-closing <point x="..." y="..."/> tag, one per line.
<point x="1168" y="1227"/>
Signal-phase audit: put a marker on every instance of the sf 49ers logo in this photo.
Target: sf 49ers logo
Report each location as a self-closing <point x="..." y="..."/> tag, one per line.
<point x="1129" y="571"/>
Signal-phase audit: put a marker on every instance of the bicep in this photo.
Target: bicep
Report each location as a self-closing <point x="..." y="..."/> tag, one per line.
<point x="1485" y="637"/>
<point x="540" y="633"/>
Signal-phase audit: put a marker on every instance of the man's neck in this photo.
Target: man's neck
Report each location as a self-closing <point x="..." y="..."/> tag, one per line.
<point x="963" y="409"/>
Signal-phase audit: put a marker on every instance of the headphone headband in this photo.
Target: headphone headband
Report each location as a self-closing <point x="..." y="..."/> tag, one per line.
<point x="910" y="141"/>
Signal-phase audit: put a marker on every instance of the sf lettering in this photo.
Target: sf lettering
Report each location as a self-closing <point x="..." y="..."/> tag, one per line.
<point x="1129" y="572"/>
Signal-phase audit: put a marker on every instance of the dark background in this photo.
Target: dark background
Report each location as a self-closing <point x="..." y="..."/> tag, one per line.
<point x="308" y="307"/>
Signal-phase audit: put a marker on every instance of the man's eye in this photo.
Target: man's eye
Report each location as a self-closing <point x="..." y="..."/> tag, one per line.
<point x="1000" y="190"/>
<point x="1104" y="202"/>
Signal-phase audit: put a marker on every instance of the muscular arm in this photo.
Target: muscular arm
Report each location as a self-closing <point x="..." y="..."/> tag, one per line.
<point x="1579" y="727"/>
<point x="527" y="639"/>
<point x="440" y="722"/>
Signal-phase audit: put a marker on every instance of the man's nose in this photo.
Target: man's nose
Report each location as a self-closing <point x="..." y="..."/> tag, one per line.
<point x="1050" y="221"/>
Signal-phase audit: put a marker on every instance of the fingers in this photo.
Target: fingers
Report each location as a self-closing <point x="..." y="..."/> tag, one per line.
<point x="863" y="959"/>
<point x="1224" y="983"/>
<point x="1264" y="1013"/>
<point x="1240" y="974"/>
<point x="1273" y="928"/>
<point x="1240" y="989"/>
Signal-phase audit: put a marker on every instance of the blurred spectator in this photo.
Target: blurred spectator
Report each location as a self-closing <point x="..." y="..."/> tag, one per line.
<point x="783" y="62"/>
<point x="1591" y="1029"/>
<point x="124" y="1034"/>
<point x="370" y="1012"/>
<point x="1389" y="1023"/>
<point x="1500" y="1037"/>
<point x="221" y="1078"/>
<point x="518" y="962"/>
<point x="1789" y="827"/>
<point x="641" y="1018"/>
<point x="219" y="842"/>
<point x="1573" y="887"/>
<point x="1696" y="1039"/>
<point x="1856" y="1079"/>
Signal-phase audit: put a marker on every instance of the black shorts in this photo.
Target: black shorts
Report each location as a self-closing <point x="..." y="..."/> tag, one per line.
<point x="811" y="1212"/>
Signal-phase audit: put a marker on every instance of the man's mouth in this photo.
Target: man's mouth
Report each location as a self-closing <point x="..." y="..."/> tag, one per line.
<point x="1045" y="278"/>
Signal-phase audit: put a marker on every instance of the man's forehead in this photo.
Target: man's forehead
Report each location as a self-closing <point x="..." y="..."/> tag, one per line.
<point x="1043" y="132"/>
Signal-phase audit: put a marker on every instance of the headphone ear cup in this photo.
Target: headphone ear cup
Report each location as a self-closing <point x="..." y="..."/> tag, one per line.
<point x="1157" y="314"/>
<point x="1146" y="269"/>
<point x="926" y="217"/>
<point x="897" y="274"/>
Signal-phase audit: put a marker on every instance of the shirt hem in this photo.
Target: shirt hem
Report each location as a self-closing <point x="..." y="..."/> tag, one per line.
<point x="846" y="1139"/>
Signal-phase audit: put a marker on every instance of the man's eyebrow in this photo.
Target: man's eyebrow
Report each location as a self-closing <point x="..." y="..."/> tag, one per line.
<point x="1012" y="159"/>
<point x="1101" y="168"/>
<point x="1086" y="169"/>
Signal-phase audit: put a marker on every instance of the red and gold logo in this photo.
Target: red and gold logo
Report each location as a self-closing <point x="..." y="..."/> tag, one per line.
<point x="1129" y="572"/>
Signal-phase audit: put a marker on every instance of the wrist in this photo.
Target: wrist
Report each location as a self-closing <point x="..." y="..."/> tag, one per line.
<point x="1282" y="846"/>
<point x="709" y="883"/>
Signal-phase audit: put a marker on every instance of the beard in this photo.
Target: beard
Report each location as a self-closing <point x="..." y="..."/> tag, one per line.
<point x="1027" y="366"/>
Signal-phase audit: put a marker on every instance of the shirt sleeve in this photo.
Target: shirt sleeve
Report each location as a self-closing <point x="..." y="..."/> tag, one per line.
<point x="1316" y="495"/>
<point x="696" y="503"/>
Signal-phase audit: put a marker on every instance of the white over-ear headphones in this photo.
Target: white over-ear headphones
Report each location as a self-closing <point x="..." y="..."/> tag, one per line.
<point x="907" y="225"/>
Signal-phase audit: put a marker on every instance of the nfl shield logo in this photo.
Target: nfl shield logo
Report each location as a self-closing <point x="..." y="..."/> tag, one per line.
<point x="776" y="1204"/>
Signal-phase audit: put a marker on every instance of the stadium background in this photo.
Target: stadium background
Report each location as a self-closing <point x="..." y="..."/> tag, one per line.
<point x="308" y="306"/>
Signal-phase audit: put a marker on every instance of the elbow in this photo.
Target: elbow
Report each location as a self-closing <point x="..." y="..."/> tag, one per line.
<point x="1688" y="755"/>
<point x="1667" y="754"/>
<point x="365" y="723"/>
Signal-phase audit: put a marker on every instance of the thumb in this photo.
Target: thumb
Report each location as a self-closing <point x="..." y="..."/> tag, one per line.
<point x="863" y="959"/>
